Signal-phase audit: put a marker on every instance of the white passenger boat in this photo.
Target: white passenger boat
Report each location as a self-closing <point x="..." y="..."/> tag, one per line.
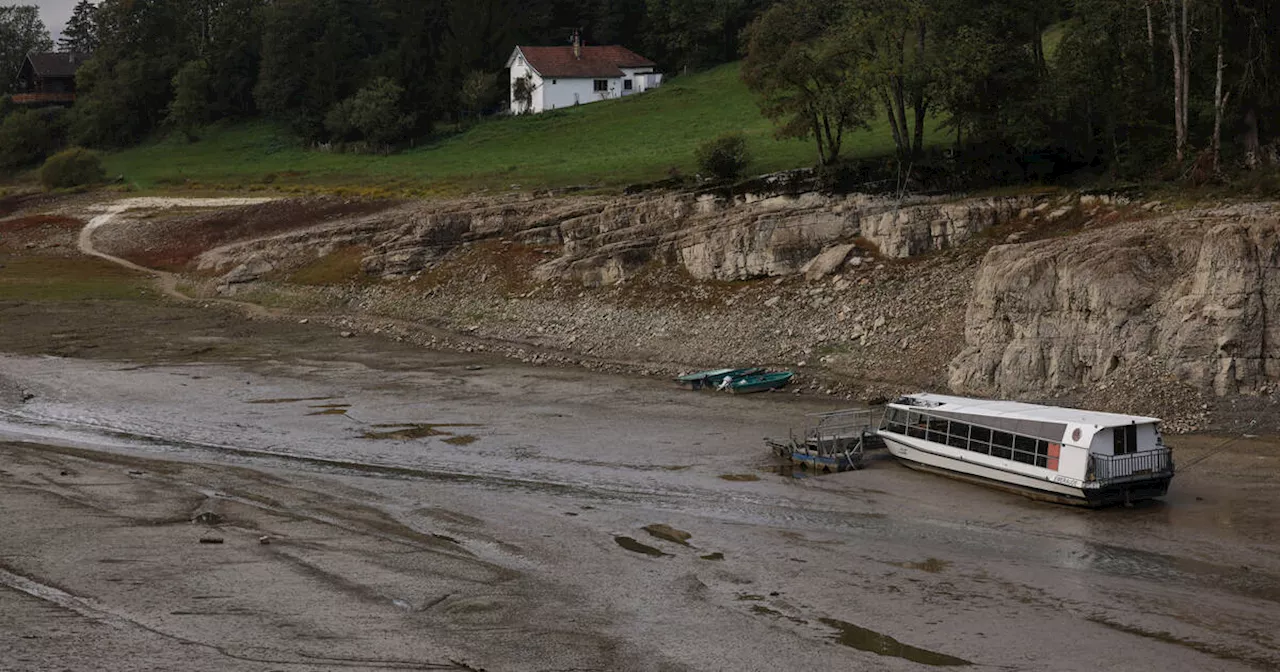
<point x="1060" y="454"/>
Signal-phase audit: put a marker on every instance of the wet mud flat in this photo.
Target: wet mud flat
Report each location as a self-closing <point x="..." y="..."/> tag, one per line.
<point x="383" y="507"/>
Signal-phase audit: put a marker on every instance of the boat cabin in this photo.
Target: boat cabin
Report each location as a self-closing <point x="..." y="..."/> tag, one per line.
<point x="1084" y="456"/>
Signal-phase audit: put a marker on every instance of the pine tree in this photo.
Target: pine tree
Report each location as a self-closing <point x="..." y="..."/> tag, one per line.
<point x="81" y="33"/>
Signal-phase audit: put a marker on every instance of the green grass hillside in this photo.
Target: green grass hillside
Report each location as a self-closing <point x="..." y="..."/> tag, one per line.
<point x="608" y="144"/>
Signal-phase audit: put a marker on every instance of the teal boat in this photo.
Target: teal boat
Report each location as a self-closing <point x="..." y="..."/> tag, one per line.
<point x="759" y="382"/>
<point x="701" y="379"/>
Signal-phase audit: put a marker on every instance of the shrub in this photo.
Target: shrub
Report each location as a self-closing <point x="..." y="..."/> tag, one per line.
<point x="74" y="167"/>
<point x="726" y="157"/>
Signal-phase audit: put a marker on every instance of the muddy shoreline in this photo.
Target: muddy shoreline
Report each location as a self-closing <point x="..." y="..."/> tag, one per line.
<point x="138" y="413"/>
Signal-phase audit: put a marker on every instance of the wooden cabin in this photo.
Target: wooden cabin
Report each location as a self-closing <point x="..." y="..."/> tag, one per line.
<point x="48" y="78"/>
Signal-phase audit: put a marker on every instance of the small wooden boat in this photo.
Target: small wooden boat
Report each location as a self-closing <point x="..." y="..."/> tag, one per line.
<point x="759" y="382"/>
<point x="701" y="379"/>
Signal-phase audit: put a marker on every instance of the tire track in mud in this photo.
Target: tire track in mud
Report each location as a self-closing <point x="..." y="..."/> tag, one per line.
<point x="95" y="611"/>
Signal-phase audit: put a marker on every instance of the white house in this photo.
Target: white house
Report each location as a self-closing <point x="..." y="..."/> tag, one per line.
<point x="547" y="78"/>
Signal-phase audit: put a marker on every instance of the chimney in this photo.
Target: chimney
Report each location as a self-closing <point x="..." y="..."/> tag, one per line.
<point x="577" y="45"/>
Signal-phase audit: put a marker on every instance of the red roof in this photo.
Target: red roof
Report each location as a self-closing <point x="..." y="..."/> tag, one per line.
<point x="595" y="61"/>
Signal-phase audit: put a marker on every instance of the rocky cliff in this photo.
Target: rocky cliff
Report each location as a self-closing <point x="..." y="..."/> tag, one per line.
<point x="1192" y="297"/>
<point x="600" y="241"/>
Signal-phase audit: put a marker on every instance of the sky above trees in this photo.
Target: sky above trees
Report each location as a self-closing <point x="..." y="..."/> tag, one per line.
<point x="54" y="13"/>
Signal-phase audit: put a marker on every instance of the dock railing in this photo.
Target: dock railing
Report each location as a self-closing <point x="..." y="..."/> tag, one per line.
<point x="1108" y="469"/>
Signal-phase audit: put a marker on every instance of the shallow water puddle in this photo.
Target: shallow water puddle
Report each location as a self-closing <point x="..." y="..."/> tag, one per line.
<point x="411" y="431"/>
<point x="863" y="639"/>
<point x="637" y="547"/>
<point x="331" y="409"/>
<point x="288" y="401"/>
<point x="931" y="565"/>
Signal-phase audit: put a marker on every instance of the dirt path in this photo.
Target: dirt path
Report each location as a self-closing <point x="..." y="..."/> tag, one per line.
<point x="168" y="281"/>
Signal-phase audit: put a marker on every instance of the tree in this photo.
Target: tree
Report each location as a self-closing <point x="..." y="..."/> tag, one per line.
<point x="895" y="35"/>
<point x="190" y="109"/>
<point x="373" y="115"/>
<point x="697" y="33"/>
<point x="807" y="79"/>
<point x="27" y="137"/>
<point x="81" y="33"/>
<point x="1180" y="46"/>
<point x="233" y="51"/>
<point x="479" y="91"/>
<point x="315" y="53"/>
<point x="21" y="32"/>
<point x="1109" y="100"/>
<point x="991" y="79"/>
<point x="123" y="92"/>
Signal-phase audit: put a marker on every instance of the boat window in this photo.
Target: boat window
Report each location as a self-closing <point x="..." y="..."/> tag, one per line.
<point x="1024" y="449"/>
<point x="937" y="430"/>
<point x="959" y="436"/>
<point x="1125" y="439"/>
<point x="915" y="426"/>
<point x="1001" y="444"/>
<point x="895" y="421"/>
<point x="980" y="435"/>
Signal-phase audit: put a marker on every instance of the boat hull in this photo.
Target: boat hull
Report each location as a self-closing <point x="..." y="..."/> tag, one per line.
<point x="759" y="383"/>
<point x="710" y="379"/>
<point x="922" y="459"/>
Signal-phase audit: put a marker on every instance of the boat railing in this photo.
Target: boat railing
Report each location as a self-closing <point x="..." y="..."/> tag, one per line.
<point x="1108" y="469"/>
<point x="836" y="425"/>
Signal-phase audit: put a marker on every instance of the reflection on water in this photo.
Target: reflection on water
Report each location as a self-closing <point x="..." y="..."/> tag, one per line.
<point x="863" y="639"/>
<point x="637" y="547"/>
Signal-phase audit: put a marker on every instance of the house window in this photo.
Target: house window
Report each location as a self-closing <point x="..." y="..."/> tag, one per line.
<point x="601" y="85"/>
<point x="626" y="85"/>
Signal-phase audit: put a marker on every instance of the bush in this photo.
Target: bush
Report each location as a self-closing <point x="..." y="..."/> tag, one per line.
<point x="726" y="157"/>
<point x="75" y="167"/>
<point x="28" y="137"/>
<point x="372" y="115"/>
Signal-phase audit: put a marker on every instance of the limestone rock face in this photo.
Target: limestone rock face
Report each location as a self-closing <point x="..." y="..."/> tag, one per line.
<point x="828" y="262"/>
<point x="601" y="241"/>
<point x="910" y="231"/>
<point x="1195" y="294"/>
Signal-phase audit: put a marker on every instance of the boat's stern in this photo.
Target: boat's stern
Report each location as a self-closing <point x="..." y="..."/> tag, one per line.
<point x="1124" y="479"/>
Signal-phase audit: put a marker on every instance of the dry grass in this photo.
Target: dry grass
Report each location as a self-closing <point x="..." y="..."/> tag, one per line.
<point x="341" y="266"/>
<point x="49" y="278"/>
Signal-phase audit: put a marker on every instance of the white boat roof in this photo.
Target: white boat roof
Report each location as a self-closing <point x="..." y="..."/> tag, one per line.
<point x="1019" y="411"/>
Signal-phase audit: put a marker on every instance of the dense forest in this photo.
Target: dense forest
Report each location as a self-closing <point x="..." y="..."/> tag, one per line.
<point x="1182" y="86"/>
